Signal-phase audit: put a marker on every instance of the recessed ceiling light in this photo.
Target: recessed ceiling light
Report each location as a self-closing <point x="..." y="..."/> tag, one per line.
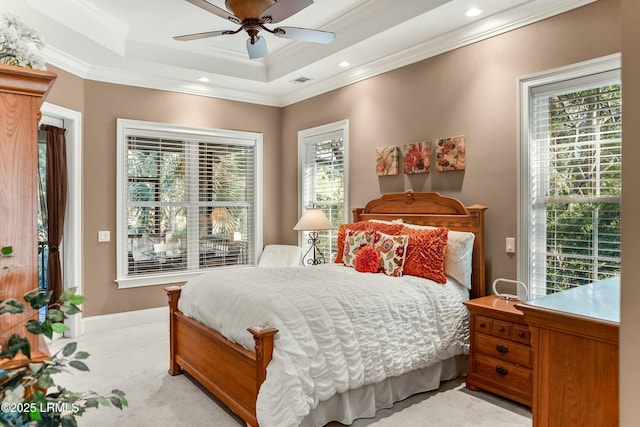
<point x="474" y="11"/>
<point x="203" y="79"/>
<point x="344" y="64"/>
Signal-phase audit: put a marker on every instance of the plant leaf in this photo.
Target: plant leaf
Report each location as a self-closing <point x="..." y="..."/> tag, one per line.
<point x="81" y="355"/>
<point x="68" y="293"/>
<point x="55" y="316"/>
<point x="76" y="299"/>
<point x="69" y="309"/>
<point x="115" y="400"/>
<point x="45" y="381"/>
<point x="59" y="327"/>
<point x="81" y="366"/>
<point x="6" y="250"/>
<point x="69" y="349"/>
<point x="36" y="299"/>
<point x="68" y="421"/>
<point x="11" y="306"/>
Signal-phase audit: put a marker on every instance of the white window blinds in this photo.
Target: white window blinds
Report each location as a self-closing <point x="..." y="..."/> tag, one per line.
<point x="574" y="152"/>
<point x="189" y="201"/>
<point x="323" y="165"/>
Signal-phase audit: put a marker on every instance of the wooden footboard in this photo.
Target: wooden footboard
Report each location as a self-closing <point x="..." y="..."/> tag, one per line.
<point x="229" y="371"/>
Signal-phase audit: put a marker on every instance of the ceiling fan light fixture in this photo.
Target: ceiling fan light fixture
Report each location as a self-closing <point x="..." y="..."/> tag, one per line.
<point x="252" y="15"/>
<point x="256" y="47"/>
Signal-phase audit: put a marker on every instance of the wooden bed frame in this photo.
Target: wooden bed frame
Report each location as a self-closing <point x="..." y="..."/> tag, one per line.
<point x="234" y="374"/>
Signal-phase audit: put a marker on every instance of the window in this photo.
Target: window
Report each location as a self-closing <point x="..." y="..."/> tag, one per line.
<point x="323" y="175"/>
<point x="571" y="156"/>
<point x="188" y="200"/>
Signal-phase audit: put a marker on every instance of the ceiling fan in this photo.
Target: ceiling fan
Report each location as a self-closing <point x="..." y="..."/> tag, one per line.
<point x="252" y="15"/>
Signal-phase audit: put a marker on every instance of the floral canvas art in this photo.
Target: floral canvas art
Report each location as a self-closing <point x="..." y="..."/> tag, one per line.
<point x="417" y="157"/>
<point x="450" y="154"/>
<point x="387" y="161"/>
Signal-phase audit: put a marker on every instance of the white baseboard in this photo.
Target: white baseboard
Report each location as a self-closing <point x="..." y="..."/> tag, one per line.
<point x="122" y="320"/>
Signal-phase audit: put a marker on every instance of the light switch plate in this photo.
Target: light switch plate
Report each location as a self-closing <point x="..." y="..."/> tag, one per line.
<point x="104" y="236"/>
<point x="511" y="245"/>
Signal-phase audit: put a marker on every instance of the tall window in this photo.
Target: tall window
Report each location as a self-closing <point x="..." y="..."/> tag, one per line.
<point x="572" y="179"/>
<point x="188" y="201"/>
<point x="323" y="169"/>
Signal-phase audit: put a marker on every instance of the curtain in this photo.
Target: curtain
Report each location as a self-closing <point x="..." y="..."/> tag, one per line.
<point x="56" y="203"/>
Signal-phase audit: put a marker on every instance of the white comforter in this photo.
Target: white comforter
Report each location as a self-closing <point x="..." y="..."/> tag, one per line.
<point x="338" y="329"/>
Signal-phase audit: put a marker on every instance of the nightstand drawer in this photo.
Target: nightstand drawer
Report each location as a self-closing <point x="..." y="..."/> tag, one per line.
<point x="483" y="324"/>
<point x="521" y="334"/>
<point x="501" y="329"/>
<point x="503" y="373"/>
<point x="503" y="350"/>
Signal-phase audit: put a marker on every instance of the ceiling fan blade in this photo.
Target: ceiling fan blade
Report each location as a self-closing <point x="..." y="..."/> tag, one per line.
<point x="282" y="9"/>
<point x="258" y="49"/>
<point x="305" y="34"/>
<point x="204" y="35"/>
<point x="215" y="10"/>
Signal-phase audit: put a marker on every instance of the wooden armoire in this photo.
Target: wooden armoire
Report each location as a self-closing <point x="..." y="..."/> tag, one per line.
<point x="22" y="92"/>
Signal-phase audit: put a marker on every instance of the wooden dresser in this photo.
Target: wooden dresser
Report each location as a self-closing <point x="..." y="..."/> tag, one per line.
<point x="22" y="92"/>
<point x="574" y="336"/>
<point x="500" y="359"/>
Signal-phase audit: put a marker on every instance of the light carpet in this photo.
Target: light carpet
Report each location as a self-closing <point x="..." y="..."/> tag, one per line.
<point x="136" y="360"/>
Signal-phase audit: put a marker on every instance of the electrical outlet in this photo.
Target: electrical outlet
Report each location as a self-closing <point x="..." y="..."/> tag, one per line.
<point x="511" y="245"/>
<point x="104" y="236"/>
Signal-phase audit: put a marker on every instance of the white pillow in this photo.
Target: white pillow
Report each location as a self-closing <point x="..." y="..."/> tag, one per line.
<point x="280" y="256"/>
<point x="458" y="257"/>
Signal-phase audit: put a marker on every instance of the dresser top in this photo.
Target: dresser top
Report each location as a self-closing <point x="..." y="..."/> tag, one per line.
<point x="599" y="300"/>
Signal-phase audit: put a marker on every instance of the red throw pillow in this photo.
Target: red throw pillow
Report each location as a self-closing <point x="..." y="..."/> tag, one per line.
<point x="392" y="229"/>
<point x="425" y="253"/>
<point x="367" y="260"/>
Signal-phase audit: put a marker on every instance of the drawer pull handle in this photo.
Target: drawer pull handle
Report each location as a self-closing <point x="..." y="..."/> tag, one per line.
<point x="483" y="325"/>
<point x="500" y="329"/>
<point x="502" y="349"/>
<point x="521" y="334"/>
<point x="503" y="372"/>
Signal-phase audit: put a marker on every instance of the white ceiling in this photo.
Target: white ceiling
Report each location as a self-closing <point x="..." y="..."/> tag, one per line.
<point x="131" y="42"/>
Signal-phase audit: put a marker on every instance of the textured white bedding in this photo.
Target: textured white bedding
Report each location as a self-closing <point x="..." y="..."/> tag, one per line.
<point x="338" y="329"/>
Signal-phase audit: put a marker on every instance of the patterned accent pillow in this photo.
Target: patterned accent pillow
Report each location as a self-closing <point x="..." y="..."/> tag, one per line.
<point x="354" y="240"/>
<point x="392" y="229"/>
<point x="367" y="260"/>
<point x="392" y="250"/>
<point x="425" y="253"/>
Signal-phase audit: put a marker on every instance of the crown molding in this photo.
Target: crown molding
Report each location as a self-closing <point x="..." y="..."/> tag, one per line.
<point x="514" y="18"/>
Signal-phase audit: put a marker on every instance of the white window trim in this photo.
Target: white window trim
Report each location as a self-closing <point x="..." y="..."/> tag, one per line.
<point x="342" y="125"/>
<point x="525" y="85"/>
<point x="124" y="126"/>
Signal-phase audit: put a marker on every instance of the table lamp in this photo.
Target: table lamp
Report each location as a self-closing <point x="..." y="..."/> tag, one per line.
<point x="313" y="220"/>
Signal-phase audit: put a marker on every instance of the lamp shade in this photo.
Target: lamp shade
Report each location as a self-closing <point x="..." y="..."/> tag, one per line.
<point x="313" y="219"/>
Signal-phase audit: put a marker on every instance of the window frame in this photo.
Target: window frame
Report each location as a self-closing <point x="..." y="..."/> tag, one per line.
<point x="342" y="127"/>
<point x="587" y="71"/>
<point x="127" y="127"/>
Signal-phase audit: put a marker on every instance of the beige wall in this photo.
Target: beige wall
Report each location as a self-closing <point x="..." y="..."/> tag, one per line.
<point x="101" y="104"/>
<point x="471" y="91"/>
<point x="630" y="298"/>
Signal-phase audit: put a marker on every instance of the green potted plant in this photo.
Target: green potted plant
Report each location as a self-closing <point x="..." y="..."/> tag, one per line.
<point x="29" y="395"/>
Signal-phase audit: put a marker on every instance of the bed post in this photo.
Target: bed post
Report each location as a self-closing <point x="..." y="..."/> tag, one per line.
<point x="173" y="293"/>
<point x="264" y="351"/>
<point x="476" y="212"/>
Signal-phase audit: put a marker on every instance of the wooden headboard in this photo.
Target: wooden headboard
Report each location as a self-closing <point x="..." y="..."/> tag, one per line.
<point x="434" y="210"/>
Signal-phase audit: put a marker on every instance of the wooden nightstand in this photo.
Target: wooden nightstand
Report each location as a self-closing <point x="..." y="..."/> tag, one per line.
<point x="500" y="357"/>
